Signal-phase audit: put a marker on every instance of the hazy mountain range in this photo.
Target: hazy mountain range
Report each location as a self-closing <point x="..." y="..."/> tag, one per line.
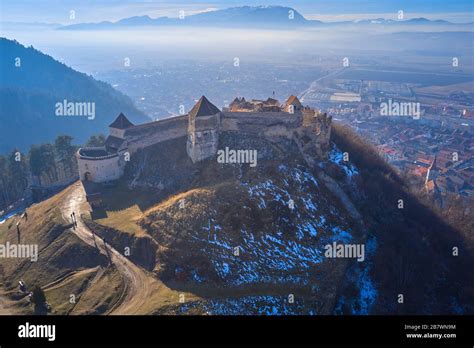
<point x="245" y="16"/>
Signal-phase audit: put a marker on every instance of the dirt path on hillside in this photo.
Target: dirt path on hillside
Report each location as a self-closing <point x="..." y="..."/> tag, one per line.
<point x="141" y="288"/>
<point x="4" y="307"/>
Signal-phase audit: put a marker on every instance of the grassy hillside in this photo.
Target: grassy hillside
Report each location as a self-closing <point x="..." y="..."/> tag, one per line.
<point x="65" y="265"/>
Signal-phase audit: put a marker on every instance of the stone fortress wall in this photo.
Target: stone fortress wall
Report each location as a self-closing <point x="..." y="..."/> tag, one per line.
<point x="156" y="132"/>
<point x="255" y="122"/>
<point x="202" y="126"/>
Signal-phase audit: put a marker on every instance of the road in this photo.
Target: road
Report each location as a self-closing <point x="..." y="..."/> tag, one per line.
<point x="139" y="284"/>
<point x="314" y="84"/>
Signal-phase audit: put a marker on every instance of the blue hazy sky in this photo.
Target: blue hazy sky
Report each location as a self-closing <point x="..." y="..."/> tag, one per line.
<point x="57" y="11"/>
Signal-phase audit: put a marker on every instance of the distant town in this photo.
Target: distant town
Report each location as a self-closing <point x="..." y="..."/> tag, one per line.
<point x="436" y="149"/>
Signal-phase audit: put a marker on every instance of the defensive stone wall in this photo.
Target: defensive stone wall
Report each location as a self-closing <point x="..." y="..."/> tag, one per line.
<point x="149" y="134"/>
<point x="261" y="123"/>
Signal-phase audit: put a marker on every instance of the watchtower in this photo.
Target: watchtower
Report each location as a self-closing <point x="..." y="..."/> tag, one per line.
<point x="203" y="130"/>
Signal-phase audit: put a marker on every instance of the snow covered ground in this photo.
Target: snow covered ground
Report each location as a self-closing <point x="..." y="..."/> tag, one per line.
<point x="336" y="156"/>
<point x="275" y="255"/>
<point x="287" y="252"/>
<point x="253" y="305"/>
<point x="359" y="276"/>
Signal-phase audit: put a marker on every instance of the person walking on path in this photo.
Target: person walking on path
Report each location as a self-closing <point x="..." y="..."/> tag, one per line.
<point x="74" y="219"/>
<point x="107" y="250"/>
<point x="18" y="232"/>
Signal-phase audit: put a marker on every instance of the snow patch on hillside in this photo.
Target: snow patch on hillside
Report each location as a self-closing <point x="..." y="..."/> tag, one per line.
<point x="251" y="305"/>
<point x="336" y="156"/>
<point x="288" y="253"/>
<point x="359" y="276"/>
<point x="266" y="258"/>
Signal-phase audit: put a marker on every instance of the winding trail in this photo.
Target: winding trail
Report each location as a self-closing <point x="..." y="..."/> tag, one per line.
<point x="140" y="285"/>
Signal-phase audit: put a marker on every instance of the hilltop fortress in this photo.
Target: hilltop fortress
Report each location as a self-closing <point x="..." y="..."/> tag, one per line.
<point x="201" y="127"/>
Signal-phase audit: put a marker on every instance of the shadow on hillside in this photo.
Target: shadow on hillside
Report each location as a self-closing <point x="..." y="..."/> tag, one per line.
<point x="414" y="245"/>
<point x="98" y="214"/>
<point x="117" y="195"/>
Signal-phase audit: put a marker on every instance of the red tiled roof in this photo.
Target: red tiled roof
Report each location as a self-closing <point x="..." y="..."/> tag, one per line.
<point x="293" y="100"/>
<point x="430" y="185"/>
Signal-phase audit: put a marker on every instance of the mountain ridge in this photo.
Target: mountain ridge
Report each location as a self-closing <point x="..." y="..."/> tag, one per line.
<point x="32" y="85"/>
<point x="253" y="16"/>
